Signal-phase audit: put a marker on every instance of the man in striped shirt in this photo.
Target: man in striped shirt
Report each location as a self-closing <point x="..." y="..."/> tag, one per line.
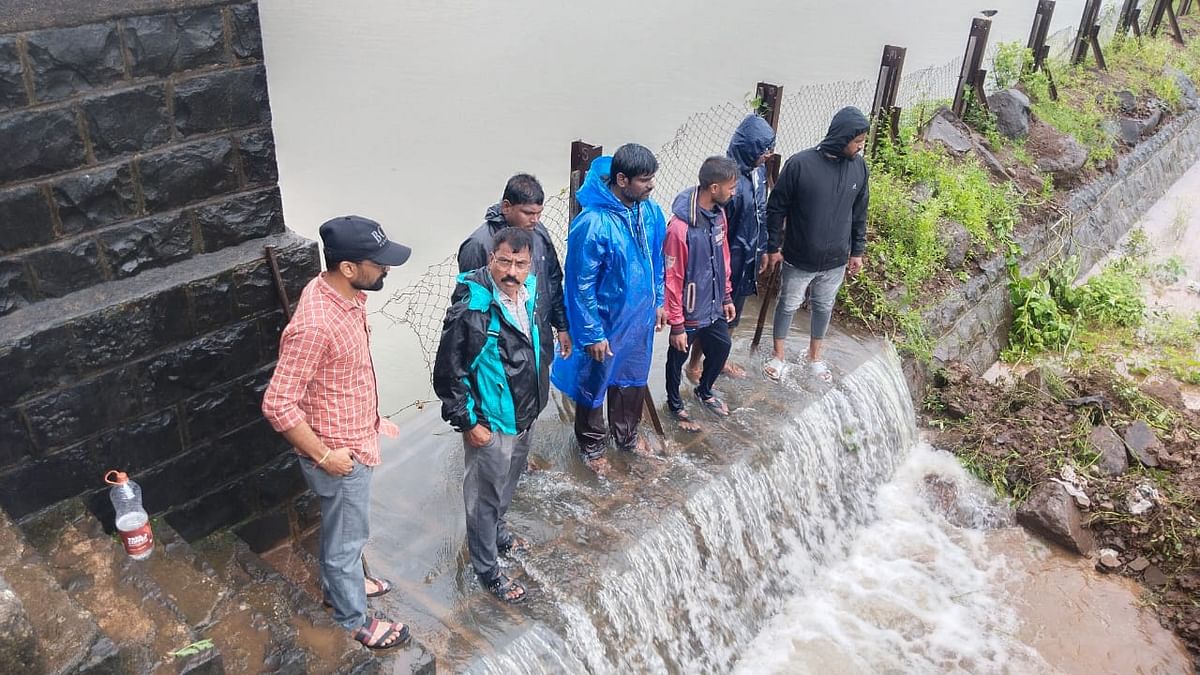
<point x="323" y="399"/>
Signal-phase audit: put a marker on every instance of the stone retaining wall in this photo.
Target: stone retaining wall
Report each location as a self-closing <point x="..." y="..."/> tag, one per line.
<point x="972" y="321"/>
<point x="138" y="318"/>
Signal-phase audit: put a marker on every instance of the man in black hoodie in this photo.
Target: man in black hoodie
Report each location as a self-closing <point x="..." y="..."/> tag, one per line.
<point x="521" y="206"/>
<point x="822" y="196"/>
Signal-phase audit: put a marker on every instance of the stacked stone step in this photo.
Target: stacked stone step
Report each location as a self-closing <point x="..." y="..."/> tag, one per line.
<point x="138" y="317"/>
<point x="42" y="629"/>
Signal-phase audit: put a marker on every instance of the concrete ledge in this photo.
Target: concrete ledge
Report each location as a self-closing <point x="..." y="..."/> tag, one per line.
<point x="22" y="15"/>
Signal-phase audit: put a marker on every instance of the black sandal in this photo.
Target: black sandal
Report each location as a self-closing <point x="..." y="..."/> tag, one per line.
<point x="715" y="405"/>
<point x="504" y="589"/>
<point x="514" y="545"/>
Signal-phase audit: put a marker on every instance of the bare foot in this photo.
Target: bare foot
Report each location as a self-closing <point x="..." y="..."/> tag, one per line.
<point x="599" y="464"/>
<point x="685" y="421"/>
<point x="641" y="448"/>
<point x="734" y="370"/>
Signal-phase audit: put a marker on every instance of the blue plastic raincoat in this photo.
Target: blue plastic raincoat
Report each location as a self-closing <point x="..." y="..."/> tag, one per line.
<point x="612" y="284"/>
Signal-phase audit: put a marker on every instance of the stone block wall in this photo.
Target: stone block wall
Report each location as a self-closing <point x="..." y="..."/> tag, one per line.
<point x="138" y="318"/>
<point x="973" y="321"/>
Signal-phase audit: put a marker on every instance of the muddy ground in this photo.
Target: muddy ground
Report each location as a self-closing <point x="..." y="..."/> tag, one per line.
<point x="1019" y="433"/>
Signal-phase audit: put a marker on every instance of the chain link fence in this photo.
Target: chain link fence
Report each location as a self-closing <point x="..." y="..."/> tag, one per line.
<point x="804" y="118"/>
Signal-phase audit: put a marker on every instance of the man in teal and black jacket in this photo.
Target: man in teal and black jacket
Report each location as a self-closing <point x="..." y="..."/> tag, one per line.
<point x="493" y="383"/>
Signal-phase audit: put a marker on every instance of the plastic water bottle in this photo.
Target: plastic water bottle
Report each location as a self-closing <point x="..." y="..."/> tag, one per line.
<point x="133" y="523"/>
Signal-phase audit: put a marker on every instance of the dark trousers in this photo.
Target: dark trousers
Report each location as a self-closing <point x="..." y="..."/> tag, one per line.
<point x="624" y="415"/>
<point x="490" y="479"/>
<point x="714" y="344"/>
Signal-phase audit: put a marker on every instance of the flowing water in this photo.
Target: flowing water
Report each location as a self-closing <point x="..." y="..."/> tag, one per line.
<point x="834" y="542"/>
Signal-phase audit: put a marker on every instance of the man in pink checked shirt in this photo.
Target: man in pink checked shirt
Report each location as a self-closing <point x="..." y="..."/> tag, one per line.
<point x="323" y="399"/>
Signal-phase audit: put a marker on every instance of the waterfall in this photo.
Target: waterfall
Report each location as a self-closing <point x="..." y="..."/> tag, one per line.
<point x="698" y="585"/>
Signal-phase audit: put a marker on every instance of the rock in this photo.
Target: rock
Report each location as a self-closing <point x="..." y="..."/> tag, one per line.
<point x="1111" y="128"/>
<point x="991" y="161"/>
<point x="1108" y="445"/>
<point x="947" y="129"/>
<point x="1186" y="87"/>
<point x="1141" y="499"/>
<point x="956" y="240"/>
<point x="1151" y="123"/>
<point x="1126" y="101"/>
<point x="1165" y="391"/>
<point x="922" y="192"/>
<point x="1130" y="130"/>
<point x="1109" y="558"/>
<point x="1068" y="158"/>
<point x="1011" y="108"/>
<point x="1139" y="563"/>
<point x="1143" y="445"/>
<point x="1051" y="512"/>
<point x="1155" y="577"/>
<point x="18" y="646"/>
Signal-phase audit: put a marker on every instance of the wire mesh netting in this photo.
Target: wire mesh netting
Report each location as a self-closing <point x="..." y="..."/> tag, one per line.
<point x="804" y="117"/>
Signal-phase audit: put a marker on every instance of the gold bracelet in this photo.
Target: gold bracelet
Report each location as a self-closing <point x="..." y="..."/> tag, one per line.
<point x="324" y="458"/>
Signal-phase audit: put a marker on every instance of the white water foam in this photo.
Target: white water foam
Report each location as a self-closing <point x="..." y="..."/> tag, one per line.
<point x="916" y="593"/>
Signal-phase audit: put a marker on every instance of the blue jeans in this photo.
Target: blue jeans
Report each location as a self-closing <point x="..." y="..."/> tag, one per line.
<point x="796" y="281"/>
<point x="345" y="511"/>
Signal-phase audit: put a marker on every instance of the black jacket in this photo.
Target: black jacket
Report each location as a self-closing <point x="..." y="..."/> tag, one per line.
<point x="502" y="384"/>
<point x="473" y="254"/>
<point x="822" y="195"/>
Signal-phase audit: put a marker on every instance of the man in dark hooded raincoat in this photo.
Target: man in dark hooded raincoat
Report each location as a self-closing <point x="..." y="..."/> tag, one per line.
<point x="750" y="146"/>
<point x="822" y="197"/>
<point x="613" y="288"/>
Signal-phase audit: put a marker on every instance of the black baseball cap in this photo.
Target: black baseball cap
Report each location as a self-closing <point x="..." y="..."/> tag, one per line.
<point x="355" y="238"/>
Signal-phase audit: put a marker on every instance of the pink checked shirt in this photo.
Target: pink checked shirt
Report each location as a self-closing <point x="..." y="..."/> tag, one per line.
<point x="325" y="376"/>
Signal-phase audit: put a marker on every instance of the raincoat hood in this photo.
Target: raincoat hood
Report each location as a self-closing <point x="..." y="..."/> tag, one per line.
<point x="493" y="216"/>
<point x="752" y="138"/>
<point x="847" y="123"/>
<point x="595" y="193"/>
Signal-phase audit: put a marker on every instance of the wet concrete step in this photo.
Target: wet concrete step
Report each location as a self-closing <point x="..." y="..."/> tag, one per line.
<point x="125" y="596"/>
<point x="296" y="560"/>
<point x="67" y="638"/>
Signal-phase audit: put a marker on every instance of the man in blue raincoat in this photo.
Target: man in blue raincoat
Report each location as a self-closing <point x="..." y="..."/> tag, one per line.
<point x="751" y="145"/>
<point x="613" y="288"/>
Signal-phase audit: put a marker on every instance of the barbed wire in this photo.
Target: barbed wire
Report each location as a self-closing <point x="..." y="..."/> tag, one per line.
<point x="805" y="112"/>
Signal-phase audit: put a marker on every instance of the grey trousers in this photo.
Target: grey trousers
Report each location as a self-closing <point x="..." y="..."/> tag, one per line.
<point x="489" y="483"/>
<point x="796" y="281"/>
<point x="345" y="527"/>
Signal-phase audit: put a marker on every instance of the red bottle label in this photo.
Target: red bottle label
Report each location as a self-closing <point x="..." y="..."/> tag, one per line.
<point x="138" y="541"/>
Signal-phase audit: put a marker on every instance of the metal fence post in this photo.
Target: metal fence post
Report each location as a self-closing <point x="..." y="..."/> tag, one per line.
<point x="769" y="97"/>
<point x="582" y="155"/>
<point x="1129" y="18"/>
<point x="1089" y="35"/>
<point x="1161" y="9"/>
<point x="1037" y="42"/>
<point x="971" y="77"/>
<point x="885" y="114"/>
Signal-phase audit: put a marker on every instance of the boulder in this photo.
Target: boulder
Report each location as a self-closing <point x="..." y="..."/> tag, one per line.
<point x="1108" y="445"/>
<point x="947" y="129"/>
<point x="18" y="646"/>
<point x="1011" y="108"/>
<point x="990" y="160"/>
<point x="1130" y="130"/>
<point x="1143" y="444"/>
<point x="1186" y="87"/>
<point x="1126" y="101"/>
<point x="957" y="240"/>
<point x="1067" y="158"/>
<point x="1166" y="392"/>
<point x="1051" y="512"/>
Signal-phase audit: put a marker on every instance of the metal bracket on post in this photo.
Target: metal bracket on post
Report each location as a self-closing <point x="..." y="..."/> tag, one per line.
<point x="885" y="114"/>
<point x="582" y="155"/>
<point x="1164" y="8"/>
<point x="1129" y="19"/>
<point x="971" y="77"/>
<point x="1037" y="42"/>
<point x="1088" y="35"/>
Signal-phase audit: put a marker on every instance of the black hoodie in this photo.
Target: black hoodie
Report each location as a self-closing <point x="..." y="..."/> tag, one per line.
<point x="822" y="195"/>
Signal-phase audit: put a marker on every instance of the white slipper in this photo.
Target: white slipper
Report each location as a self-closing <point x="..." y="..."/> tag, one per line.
<point x="774" y="369"/>
<point x="821" y="371"/>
